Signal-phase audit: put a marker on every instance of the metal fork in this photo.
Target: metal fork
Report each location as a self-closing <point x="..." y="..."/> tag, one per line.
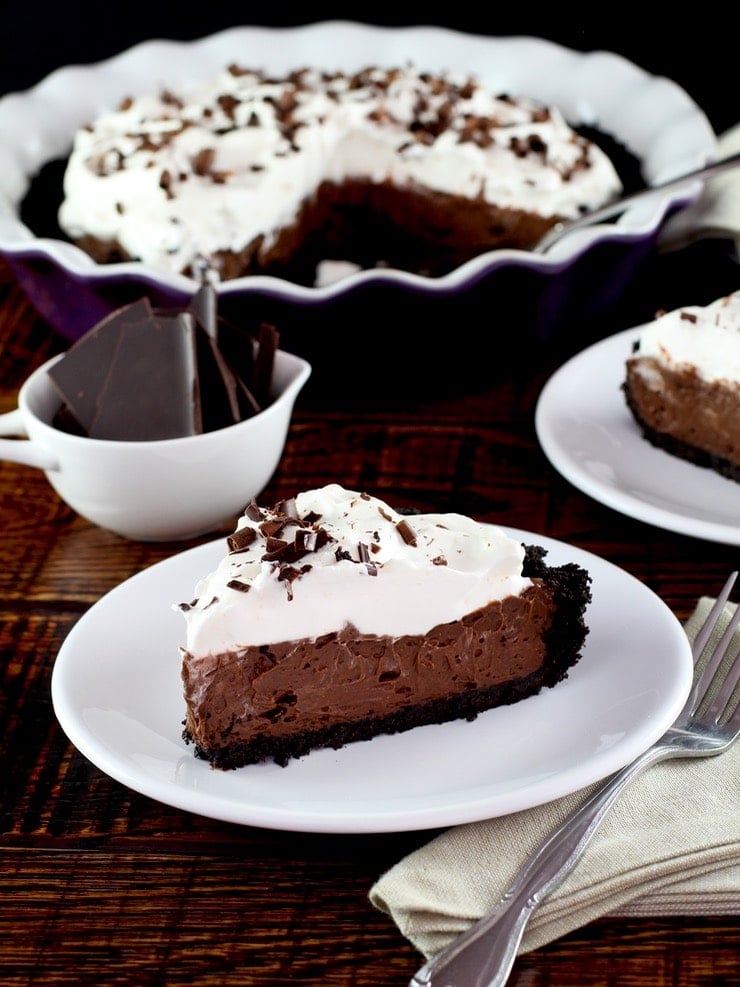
<point x="484" y="955"/>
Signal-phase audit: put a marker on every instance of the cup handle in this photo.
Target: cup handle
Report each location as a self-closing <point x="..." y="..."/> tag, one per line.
<point x="11" y="423"/>
<point x="19" y="450"/>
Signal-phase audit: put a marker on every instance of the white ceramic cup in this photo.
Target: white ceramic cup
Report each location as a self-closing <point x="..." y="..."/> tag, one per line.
<point x="167" y="489"/>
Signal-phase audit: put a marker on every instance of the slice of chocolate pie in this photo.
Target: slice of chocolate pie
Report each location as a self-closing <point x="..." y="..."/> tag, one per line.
<point x="333" y="618"/>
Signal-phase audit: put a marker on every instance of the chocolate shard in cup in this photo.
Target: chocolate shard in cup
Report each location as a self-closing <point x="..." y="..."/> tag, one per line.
<point x="81" y="374"/>
<point x="143" y="374"/>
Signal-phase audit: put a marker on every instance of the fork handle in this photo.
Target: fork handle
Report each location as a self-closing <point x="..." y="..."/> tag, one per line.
<point x="484" y="955"/>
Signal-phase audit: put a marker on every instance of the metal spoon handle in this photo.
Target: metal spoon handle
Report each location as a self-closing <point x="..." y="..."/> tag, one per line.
<point x="619" y="205"/>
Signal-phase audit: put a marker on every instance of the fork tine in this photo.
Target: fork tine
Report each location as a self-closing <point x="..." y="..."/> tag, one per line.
<point x="704" y="682"/>
<point x="721" y="701"/>
<point x="734" y="722"/>
<point x="708" y="626"/>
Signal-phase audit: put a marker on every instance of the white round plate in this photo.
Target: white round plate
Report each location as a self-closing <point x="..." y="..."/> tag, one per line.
<point x="117" y="694"/>
<point x="589" y="435"/>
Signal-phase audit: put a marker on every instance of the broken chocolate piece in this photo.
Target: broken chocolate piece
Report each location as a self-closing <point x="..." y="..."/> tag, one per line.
<point x="144" y="374"/>
<point x="147" y="389"/>
<point x="77" y="375"/>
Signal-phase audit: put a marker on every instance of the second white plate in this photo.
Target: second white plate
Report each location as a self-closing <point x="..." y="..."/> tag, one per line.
<point x="589" y="435"/>
<point x="117" y="693"/>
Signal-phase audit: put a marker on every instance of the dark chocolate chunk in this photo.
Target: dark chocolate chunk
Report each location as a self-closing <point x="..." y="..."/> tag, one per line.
<point x="147" y="391"/>
<point x="146" y="374"/>
<point x="77" y="376"/>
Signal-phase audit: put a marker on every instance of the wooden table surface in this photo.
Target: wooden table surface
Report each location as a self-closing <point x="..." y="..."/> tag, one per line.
<point x="102" y="886"/>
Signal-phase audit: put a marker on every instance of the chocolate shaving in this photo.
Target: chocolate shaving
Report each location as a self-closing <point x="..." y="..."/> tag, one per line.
<point x="253" y="511"/>
<point x="288" y="574"/>
<point x="203" y="161"/>
<point x="241" y="539"/>
<point x="271" y="527"/>
<point x="306" y="540"/>
<point x="288" y="507"/>
<point x="228" y="104"/>
<point x="406" y="532"/>
<point x="274" y="549"/>
<point x="365" y="558"/>
<point x="238" y="585"/>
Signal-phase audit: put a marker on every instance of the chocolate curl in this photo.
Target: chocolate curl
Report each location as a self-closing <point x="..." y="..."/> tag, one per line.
<point x="241" y="539"/>
<point x="365" y="558"/>
<point x="406" y="532"/>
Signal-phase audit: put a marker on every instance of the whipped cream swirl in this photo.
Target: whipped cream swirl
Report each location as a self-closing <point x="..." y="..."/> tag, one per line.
<point x="703" y="338"/>
<point x="334" y="557"/>
<point x="172" y="178"/>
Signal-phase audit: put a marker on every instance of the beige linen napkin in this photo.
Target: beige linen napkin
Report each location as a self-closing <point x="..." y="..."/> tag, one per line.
<point x="670" y="845"/>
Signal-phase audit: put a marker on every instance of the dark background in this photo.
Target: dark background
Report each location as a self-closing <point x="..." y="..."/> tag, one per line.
<point x="698" y="49"/>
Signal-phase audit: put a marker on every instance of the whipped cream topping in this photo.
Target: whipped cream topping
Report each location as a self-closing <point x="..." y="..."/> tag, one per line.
<point x="333" y="557"/>
<point x="176" y="177"/>
<point x="706" y="339"/>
